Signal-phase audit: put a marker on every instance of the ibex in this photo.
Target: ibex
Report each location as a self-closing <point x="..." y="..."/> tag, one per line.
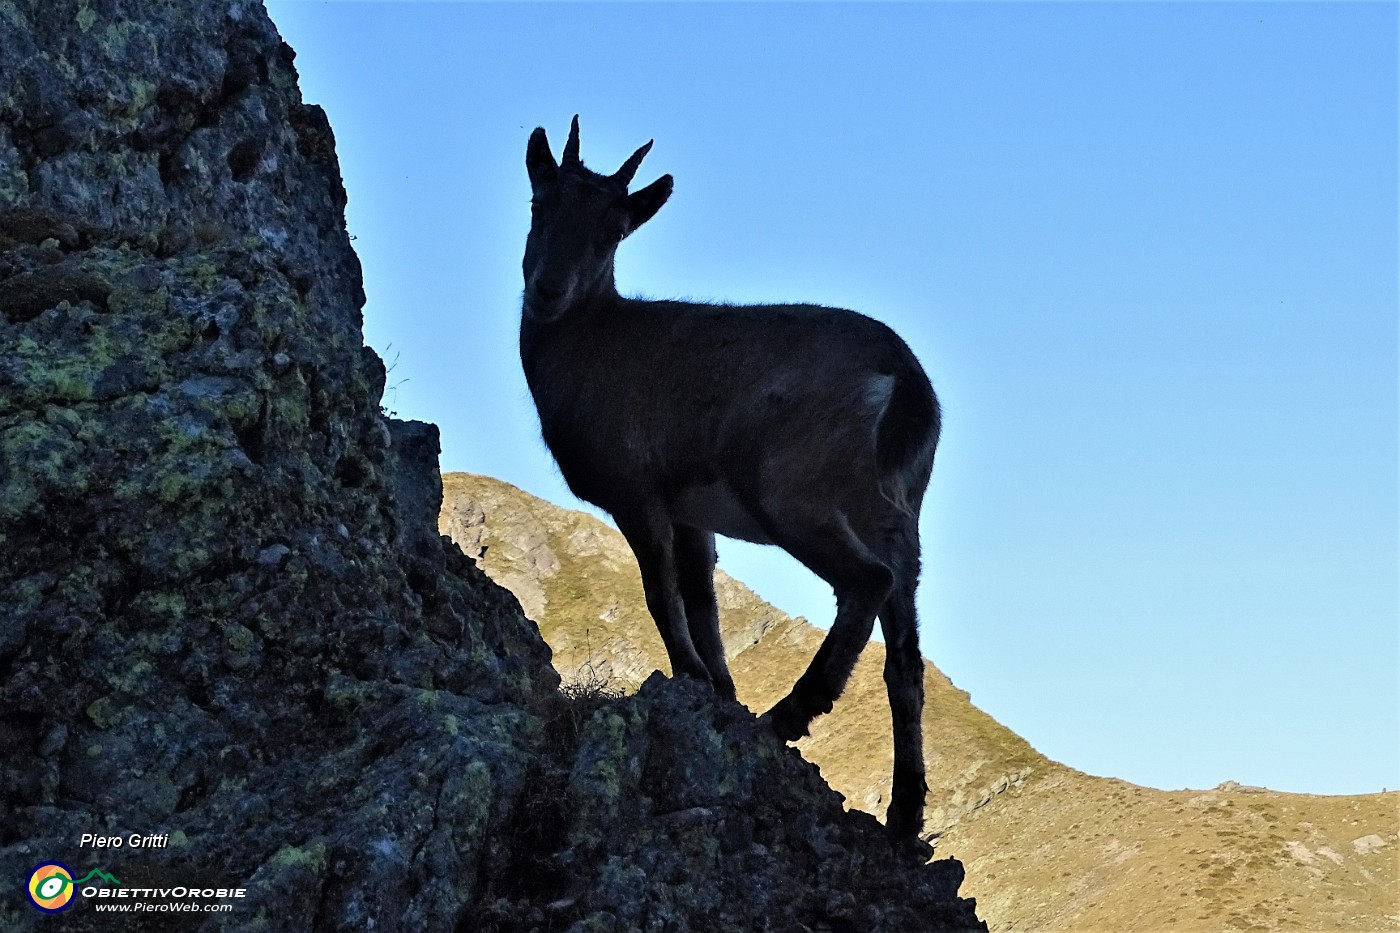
<point x="807" y="427"/>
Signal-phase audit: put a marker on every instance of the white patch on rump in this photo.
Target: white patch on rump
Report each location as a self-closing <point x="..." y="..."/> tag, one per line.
<point x="878" y="390"/>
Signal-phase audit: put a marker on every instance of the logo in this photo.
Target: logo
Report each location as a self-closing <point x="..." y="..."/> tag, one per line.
<point x="51" y="885"/>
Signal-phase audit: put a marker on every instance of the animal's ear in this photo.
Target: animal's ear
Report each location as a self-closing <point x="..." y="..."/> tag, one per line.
<point x="539" y="161"/>
<point x="644" y="203"/>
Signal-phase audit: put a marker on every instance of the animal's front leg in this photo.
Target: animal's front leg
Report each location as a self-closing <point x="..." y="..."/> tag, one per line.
<point x="653" y="542"/>
<point x="695" y="570"/>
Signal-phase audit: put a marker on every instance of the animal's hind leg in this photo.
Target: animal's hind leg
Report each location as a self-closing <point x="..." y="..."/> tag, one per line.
<point x="831" y="550"/>
<point x="653" y="542"/>
<point x="904" y="678"/>
<point x="695" y="570"/>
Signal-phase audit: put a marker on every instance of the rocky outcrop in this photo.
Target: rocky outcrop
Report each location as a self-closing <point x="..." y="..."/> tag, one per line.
<point x="684" y="808"/>
<point x="227" y="620"/>
<point x="225" y="603"/>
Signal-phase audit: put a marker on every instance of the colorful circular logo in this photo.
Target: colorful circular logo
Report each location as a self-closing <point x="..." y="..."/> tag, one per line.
<point x="51" y="887"/>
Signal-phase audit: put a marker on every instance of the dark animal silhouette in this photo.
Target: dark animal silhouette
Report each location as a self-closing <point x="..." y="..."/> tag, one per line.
<point x="807" y="427"/>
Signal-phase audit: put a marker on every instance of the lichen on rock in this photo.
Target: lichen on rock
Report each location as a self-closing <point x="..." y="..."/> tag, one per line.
<point x="220" y="560"/>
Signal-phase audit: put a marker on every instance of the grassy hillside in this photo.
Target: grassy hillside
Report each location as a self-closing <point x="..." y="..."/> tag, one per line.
<point x="1046" y="847"/>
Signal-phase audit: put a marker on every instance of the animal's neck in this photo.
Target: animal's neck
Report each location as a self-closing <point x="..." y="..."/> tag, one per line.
<point x="605" y="291"/>
<point x="602" y="294"/>
<point x="587" y="303"/>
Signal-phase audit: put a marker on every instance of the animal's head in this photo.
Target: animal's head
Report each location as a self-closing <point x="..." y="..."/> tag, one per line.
<point x="578" y="218"/>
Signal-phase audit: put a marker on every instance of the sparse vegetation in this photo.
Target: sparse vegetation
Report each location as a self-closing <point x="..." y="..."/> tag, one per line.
<point x="579" y="697"/>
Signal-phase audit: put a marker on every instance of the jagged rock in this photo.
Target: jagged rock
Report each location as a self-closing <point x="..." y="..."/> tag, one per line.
<point x="225" y="602"/>
<point x="226" y="616"/>
<point x="674" y="816"/>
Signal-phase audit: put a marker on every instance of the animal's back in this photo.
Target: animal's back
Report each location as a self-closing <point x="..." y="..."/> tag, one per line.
<point x="762" y="389"/>
<point x="787" y="351"/>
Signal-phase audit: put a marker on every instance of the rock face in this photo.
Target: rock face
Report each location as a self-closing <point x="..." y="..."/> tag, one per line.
<point x="226" y="616"/>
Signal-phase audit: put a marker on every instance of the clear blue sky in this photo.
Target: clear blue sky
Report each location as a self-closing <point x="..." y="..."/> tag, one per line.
<point x="1147" y="254"/>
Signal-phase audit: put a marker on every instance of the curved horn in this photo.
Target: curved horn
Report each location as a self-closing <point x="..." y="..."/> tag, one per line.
<point x="570" y="156"/>
<point x="629" y="168"/>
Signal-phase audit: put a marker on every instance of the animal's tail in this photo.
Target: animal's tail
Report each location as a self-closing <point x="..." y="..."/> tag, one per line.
<point x="906" y="439"/>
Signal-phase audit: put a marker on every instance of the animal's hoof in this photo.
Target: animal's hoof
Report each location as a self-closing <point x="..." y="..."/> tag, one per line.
<point x="785" y="723"/>
<point x="698" y="673"/>
<point x="724" y="688"/>
<point x="912" y="847"/>
<point x="905" y="817"/>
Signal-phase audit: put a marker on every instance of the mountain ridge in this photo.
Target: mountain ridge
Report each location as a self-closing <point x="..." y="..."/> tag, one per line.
<point x="1046" y="847"/>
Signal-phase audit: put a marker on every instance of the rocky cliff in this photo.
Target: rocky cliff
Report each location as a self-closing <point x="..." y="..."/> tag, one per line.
<point x="228" y="625"/>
